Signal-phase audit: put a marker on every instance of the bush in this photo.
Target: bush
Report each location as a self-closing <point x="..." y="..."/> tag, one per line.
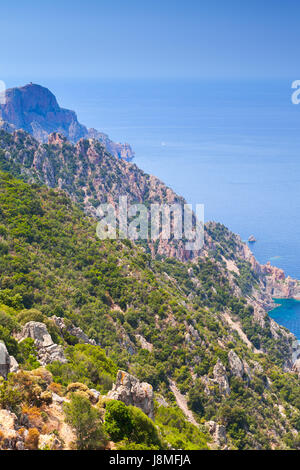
<point x="87" y="423"/>
<point x="118" y="420"/>
<point x="88" y="365"/>
<point x="29" y="354"/>
<point x="32" y="439"/>
<point x="143" y="429"/>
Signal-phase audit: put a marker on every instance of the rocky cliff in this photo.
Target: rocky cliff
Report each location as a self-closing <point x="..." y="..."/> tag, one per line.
<point x="35" y="109"/>
<point x="90" y="175"/>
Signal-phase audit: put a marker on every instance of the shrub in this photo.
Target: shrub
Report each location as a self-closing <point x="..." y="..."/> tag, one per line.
<point x="87" y="364"/>
<point x="29" y="354"/>
<point x="87" y="423"/>
<point x="32" y="439"/>
<point x="118" y="420"/>
<point x="143" y="429"/>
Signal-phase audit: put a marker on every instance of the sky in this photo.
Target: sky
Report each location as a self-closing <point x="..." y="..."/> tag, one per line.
<point x="149" y="39"/>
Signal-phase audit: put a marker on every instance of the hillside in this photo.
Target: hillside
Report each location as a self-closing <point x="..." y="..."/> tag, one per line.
<point x="219" y="373"/>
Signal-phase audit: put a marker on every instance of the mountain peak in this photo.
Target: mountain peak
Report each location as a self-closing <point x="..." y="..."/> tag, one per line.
<point x="35" y="109"/>
<point x="33" y="98"/>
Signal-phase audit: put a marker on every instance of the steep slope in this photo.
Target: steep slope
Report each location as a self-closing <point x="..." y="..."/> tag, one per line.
<point x="163" y="321"/>
<point x="35" y="109"/>
<point x="90" y="176"/>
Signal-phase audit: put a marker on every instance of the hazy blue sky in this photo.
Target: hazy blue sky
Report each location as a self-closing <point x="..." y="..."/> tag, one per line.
<point x="150" y="38"/>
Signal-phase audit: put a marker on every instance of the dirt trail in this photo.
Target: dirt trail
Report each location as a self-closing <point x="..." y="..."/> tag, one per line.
<point x="65" y="431"/>
<point x="182" y="403"/>
<point x="237" y="327"/>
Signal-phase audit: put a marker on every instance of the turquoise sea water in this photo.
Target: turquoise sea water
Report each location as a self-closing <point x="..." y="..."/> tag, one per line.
<point x="288" y="315"/>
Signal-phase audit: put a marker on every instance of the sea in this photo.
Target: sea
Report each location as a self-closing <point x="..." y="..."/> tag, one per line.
<point x="231" y="145"/>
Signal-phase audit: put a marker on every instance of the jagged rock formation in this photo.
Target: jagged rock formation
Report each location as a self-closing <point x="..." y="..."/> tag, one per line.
<point x="90" y="176"/>
<point x="130" y="391"/>
<point x="279" y="286"/>
<point x="72" y="330"/>
<point x="144" y="343"/>
<point x="14" y="366"/>
<point x="47" y="350"/>
<point x="238" y="367"/>
<point x="35" y="109"/>
<point x="4" y="360"/>
<point x="220" y="377"/>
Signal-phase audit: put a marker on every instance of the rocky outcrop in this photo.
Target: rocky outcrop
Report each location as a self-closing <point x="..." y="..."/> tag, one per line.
<point x="87" y="166"/>
<point x="279" y="286"/>
<point x="47" y="350"/>
<point x="123" y="151"/>
<point x="130" y="391"/>
<point x="219" y="380"/>
<point x="220" y="377"/>
<point x="218" y="432"/>
<point x="4" y="361"/>
<point x="236" y="365"/>
<point x="11" y="439"/>
<point x="35" y="109"/>
<point x="72" y="330"/>
<point x="14" y="366"/>
<point x="144" y="343"/>
<point x="239" y="367"/>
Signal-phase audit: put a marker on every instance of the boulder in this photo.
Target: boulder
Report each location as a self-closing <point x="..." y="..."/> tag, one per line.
<point x="37" y="331"/>
<point x="58" y="399"/>
<point x="95" y="394"/>
<point x="14" y="366"/>
<point x="239" y="368"/>
<point x="47" y="350"/>
<point x="211" y="426"/>
<point x="4" y="361"/>
<point x="73" y="330"/>
<point x="131" y="391"/>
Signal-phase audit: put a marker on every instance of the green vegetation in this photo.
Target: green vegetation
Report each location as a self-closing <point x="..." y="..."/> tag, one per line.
<point x="177" y="431"/>
<point x="87" y="423"/>
<point x="51" y="263"/>
<point x="130" y="427"/>
<point x="86" y="364"/>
